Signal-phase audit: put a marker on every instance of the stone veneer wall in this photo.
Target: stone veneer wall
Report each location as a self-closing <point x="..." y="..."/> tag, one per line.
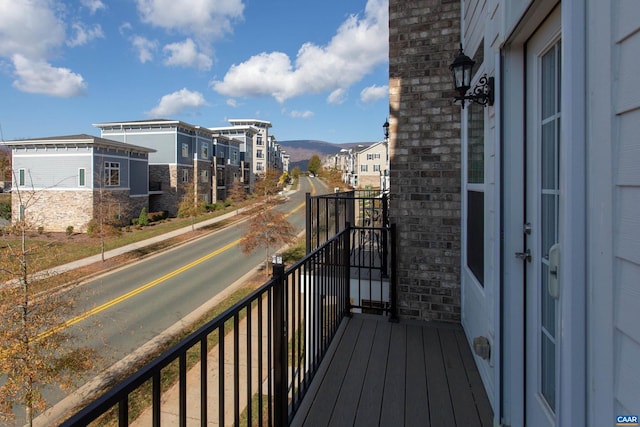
<point x="425" y="157"/>
<point x="54" y="210"/>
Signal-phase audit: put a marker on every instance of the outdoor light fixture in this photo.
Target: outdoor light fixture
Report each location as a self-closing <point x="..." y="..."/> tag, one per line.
<point x="385" y="126"/>
<point x="461" y="69"/>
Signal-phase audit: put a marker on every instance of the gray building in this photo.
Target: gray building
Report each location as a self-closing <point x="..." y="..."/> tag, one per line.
<point x="183" y="161"/>
<point x="64" y="181"/>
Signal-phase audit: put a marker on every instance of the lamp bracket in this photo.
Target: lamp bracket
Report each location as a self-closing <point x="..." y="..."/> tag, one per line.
<point x="482" y="93"/>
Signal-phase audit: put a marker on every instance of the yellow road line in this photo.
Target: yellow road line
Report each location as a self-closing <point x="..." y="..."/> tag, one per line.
<point x="144" y="287"/>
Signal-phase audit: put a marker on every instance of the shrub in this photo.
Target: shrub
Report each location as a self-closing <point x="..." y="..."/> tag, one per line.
<point x="143" y="219"/>
<point x="69" y="230"/>
<point x="40" y="229"/>
<point x="158" y="216"/>
<point x="5" y="211"/>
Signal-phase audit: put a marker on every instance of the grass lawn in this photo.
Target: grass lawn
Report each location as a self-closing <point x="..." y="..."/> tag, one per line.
<point x="49" y="249"/>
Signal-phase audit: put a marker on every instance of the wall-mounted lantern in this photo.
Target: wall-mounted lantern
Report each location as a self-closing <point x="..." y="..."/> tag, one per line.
<point x="385" y="126"/>
<point x="461" y="69"/>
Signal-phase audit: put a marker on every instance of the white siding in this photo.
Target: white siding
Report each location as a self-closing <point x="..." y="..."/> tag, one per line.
<point x="626" y="46"/>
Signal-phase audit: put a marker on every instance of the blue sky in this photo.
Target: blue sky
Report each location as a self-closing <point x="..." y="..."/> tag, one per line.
<point x="314" y="69"/>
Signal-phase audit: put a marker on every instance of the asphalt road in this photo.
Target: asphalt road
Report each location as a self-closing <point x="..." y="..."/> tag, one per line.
<point x="127" y="307"/>
<point x="133" y="304"/>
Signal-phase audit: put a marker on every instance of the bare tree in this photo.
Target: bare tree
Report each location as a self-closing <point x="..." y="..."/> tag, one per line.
<point x="191" y="206"/>
<point x="236" y="195"/>
<point x="268" y="229"/>
<point x="268" y="184"/>
<point x="36" y="348"/>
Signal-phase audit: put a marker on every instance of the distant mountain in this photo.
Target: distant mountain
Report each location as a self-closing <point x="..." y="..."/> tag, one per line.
<point x="301" y="150"/>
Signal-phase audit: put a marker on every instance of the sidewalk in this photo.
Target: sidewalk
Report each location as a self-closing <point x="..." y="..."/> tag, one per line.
<point x="143" y="243"/>
<point x="100" y="383"/>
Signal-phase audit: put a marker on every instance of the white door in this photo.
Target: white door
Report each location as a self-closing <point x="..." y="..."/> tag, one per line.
<point x="542" y="197"/>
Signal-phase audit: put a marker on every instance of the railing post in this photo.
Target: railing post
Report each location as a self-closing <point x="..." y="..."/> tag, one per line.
<point x="281" y="415"/>
<point x="394" y="276"/>
<point x="385" y="241"/>
<point x="347" y="266"/>
<point x="308" y="221"/>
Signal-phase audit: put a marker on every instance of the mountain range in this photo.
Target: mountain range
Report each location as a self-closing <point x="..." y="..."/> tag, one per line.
<point x="301" y="150"/>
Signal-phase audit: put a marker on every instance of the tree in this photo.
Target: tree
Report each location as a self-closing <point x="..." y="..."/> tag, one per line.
<point x="295" y="173"/>
<point x="36" y="348"/>
<point x="315" y="164"/>
<point x="191" y="206"/>
<point x="236" y="195"/>
<point x="268" y="184"/>
<point x="106" y="219"/>
<point x="268" y="229"/>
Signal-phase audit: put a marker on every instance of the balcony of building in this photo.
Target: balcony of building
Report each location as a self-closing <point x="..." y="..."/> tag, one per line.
<point x="318" y="344"/>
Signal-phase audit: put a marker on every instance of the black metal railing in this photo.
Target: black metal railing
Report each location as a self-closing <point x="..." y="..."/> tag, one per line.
<point x="328" y="214"/>
<point x="254" y="363"/>
<point x="250" y="365"/>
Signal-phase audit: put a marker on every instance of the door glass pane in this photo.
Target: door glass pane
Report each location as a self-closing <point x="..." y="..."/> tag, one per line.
<point x="549" y="131"/>
<point x="475" y="234"/>
<point x="549" y="372"/>
<point x="475" y="144"/>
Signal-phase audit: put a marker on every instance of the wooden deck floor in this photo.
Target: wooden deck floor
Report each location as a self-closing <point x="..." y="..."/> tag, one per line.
<point x="396" y="374"/>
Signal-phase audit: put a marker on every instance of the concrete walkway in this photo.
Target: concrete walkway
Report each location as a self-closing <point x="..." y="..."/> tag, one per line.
<point x="143" y="243"/>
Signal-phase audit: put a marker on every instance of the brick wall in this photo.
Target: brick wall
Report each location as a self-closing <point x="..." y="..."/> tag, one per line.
<point x="425" y="156"/>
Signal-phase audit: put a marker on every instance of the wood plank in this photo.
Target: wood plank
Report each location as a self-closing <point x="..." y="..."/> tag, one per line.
<point x="312" y="392"/>
<point x="480" y="398"/>
<point x="440" y="408"/>
<point x="347" y="401"/>
<point x="368" y="413"/>
<point x="464" y="407"/>
<point x="394" y="385"/>
<point x="417" y="402"/>
<point x="324" y="403"/>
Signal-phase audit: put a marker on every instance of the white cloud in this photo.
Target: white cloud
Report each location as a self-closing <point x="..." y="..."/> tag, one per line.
<point x="40" y="77"/>
<point x="337" y="97"/>
<point x="186" y="54"/>
<point x="125" y="28"/>
<point x="93" y="5"/>
<point x="177" y="102"/>
<point x="30" y="28"/>
<point x="232" y="103"/>
<point x="83" y="35"/>
<point x="32" y="32"/>
<point x="374" y="93"/>
<point x="204" y="19"/>
<point x="301" y="114"/>
<point x="358" y="46"/>
<point x="145" y="48"/>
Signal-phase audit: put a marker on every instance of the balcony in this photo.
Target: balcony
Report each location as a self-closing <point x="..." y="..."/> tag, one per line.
<point x="381" y="373"/>
<point x="318" y="344"/>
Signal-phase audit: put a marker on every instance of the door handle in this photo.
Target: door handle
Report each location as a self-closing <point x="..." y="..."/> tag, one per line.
<point x="553" y="282"/>
<point x="525" y="256"/>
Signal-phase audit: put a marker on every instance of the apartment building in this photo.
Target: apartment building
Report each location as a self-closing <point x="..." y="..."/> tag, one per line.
<point x="65" y="181"/>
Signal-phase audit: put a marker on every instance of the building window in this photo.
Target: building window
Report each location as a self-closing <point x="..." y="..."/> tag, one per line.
<point x="259" y="166"/>
<point x="185" y="175"/>
<point x="111" y="174"/>
<point x="185" y="149"/>
<point x="475" y="191"/>
<point x="81" y="179"/>
<point x="204" y="176"/>
<point x="204" y="151"/>
<point x="376" y="168"/>
<point x="364" y="168"/>
<point x="259" y="154"/>
<point x="258" y="140"/>
<point x="21" y="177"/>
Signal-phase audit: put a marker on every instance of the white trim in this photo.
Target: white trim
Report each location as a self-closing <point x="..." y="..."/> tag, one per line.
<point x="572" y="406"/>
